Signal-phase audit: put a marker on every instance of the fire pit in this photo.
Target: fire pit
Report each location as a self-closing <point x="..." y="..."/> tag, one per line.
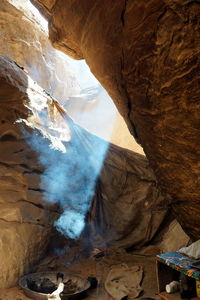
<point x="39" y="285"/>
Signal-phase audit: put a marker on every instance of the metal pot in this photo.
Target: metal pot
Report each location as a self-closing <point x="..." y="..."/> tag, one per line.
<point x="82" y="285"/>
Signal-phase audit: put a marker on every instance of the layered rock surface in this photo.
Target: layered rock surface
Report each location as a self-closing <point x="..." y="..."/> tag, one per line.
<point x="24" y="39"/>
<point x="146" y="55"/>
<point x="128" y="209"/>
<point x="25" y="220"/>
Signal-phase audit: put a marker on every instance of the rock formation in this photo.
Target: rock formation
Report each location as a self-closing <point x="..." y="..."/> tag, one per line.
<point x="24" y="38"/>
<point x="128" y="209"/>
<point x="25" y="220"/>
<point x="146" y="55"/>
<point x="25" y="41"/>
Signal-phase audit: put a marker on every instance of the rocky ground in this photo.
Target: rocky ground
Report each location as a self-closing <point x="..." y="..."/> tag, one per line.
<point x="98" y="267"/>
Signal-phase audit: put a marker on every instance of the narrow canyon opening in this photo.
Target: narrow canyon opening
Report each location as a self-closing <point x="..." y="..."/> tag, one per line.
<point x="99" y="148"/>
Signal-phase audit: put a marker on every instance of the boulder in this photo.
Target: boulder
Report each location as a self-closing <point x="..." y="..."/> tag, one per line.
<point x="128" y="210"/>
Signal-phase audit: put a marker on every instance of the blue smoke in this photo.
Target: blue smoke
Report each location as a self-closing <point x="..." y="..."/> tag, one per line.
<point x="71" y="223"/>
<point x="70" y="178"/>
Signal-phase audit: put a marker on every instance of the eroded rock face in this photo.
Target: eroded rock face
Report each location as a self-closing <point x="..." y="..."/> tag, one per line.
<point x="146" y="55"/>
<point x="128" y="209"/>
<point x="25" y="220"/>
<point x="24" y="38"/>
<point x="25" y="41"/>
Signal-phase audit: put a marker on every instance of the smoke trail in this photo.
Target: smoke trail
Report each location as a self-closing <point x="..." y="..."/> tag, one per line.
<point x="70" y="176"/>
<point x="72" y="157"/>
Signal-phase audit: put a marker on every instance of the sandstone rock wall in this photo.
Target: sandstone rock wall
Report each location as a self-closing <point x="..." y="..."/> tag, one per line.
<point x="25" y="41"/>
<point x="128" y="209"/>
<point x="25" y="220"/>
<point x="24" y="38"/>
<point x="146" y="55"/>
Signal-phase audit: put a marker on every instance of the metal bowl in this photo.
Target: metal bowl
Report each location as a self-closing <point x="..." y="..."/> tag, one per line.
<point x="82" y="285"/>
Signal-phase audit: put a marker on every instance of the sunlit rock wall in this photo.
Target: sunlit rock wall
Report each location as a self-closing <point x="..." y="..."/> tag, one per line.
<point x="146" y="55"/>
<point x="24" y="38"/>
<point x="25" y="220"/>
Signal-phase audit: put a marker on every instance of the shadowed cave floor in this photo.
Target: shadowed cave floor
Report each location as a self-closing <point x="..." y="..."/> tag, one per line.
<point x="99" y="268"/>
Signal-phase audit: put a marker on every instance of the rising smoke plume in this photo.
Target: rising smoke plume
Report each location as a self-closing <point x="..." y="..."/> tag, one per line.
<point x="72" y="158"/>
<point x="70" y="177"/>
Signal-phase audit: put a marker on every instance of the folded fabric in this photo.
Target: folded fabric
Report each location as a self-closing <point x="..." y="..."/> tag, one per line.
<point x="124" y="281"/>
<point x="192" y="251"/>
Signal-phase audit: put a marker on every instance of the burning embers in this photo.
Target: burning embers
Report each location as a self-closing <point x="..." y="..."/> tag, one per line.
<point x="54" y="286"/>
<point x="45" y="285"/>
